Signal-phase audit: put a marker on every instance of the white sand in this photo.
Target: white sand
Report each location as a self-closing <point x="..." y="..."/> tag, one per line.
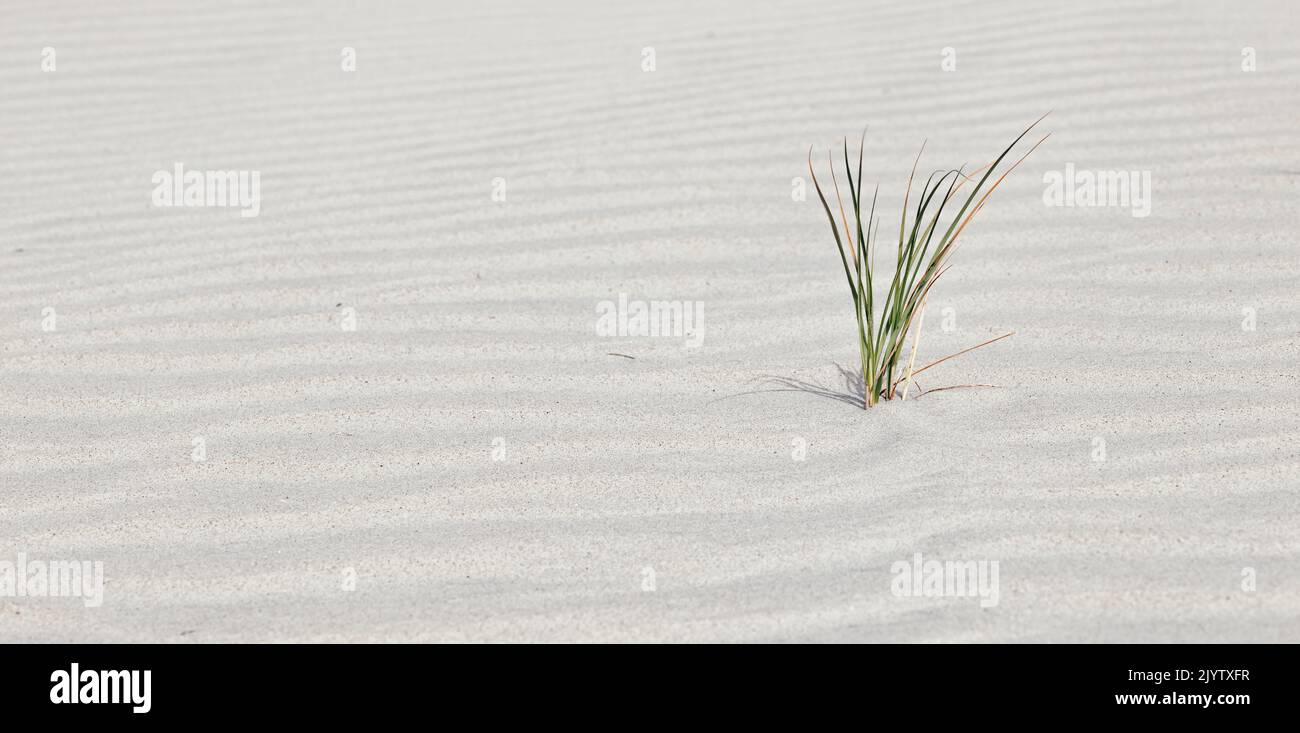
<point x="372" y="450"/>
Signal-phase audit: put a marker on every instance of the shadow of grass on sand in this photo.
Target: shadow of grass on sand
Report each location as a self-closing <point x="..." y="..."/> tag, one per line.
<point x="851" y="392"/>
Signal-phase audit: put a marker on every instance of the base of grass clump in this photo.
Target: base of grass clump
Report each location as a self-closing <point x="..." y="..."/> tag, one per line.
<point x="919" y="263"/>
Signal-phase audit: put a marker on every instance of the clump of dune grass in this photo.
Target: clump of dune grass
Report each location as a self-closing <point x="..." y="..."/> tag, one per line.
<point x="920" y="261"/>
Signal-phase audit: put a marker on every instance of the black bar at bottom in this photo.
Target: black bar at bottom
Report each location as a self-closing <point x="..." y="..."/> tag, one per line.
<point x="802" y="684"/>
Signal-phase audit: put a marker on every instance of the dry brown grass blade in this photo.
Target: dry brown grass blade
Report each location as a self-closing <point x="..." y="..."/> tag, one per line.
<point x="955" y="386"/>
<point x="959" y="353"/>
<point x="848" y="236"/>
<point x="916" y="344"/>
<point x="993" y="188"/>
